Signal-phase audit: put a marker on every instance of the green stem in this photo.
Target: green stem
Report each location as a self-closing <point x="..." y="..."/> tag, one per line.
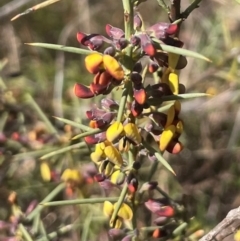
<point x="61" y="231"/>
<point x="163" y="5"/>
<point x="29" y="100"/>
<point x="33" y="153"/>
<point x="128" y="18"/>
<point x="123" y="101"/>
<point x="63" y="150"/>
<point x="119" y="204"/>
<point x="25" y="233"/>
<point x="75" y="124"/>
<point x="179" y="229"/>
<point x="88" y="133"/>
<point x="80" y="201"/>
<point x="48" y="198"/>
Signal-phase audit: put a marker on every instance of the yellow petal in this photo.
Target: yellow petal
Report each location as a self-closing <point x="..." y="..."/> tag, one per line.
<point x="117" y="177"/>
<point x="71" y="174"/>
<point x="114" y="131"/>
<point x="118" y="223"/>
<point x="170" y="116"/>
<point x="174" y="83"/>
<point x="125" y="212"/>
<point x="45" y="172"/>
<point x="95" y="157"/>
<point x="166" y="137"/>
<point x="113" y="67"/>
<point x="107" y="208"/>
<point x="131" y="131"/>
<point x="173" y="60"/>
<point x="113" y="155"/>
<point x="93" y="62"/>
<point x="109" y="169"/>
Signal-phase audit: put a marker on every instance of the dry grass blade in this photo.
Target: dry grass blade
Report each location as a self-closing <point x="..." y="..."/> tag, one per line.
<point x="34" y="8"/>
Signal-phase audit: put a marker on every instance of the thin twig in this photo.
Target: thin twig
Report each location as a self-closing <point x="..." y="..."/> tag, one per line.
<point x="190" y="8"/>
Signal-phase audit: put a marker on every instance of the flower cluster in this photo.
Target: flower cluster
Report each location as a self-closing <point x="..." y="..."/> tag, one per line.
<point x="120" y="138"/>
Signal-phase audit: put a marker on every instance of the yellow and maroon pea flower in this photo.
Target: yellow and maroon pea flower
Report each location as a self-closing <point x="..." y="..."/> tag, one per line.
<point x="72" y="178"/>
<point x="152" y="66"/>
<point x="162" y="30"/>
<point x="124" y="213"/>
<point x="159" y="90"/>
<point x="99" y="118"/>
<point x="113" y="32"/>
<point x="72" y="175"/>
<point x="136" y="109"/>
<point x="106" y="168"/>
<point x="159" y="208"/>
<point x="147" y="44"/>
<point x="92" y="41"/>
<point x="107" y="70"/>
<point x="172" y="131"/>
<point x="118" y="177"/>
<point x="98" y="155"/>
<point x="137" y="22"/>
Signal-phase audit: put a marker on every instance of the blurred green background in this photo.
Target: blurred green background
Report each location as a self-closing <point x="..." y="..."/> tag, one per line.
<point x="209" y="166"/>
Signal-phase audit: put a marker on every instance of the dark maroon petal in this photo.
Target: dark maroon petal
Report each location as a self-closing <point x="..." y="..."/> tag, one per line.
<point x="98" y="89"/>
<point x="95" y="113"/>
<point x="160" y="88"/>
<point x="80" y="36"/>
<point x="109" y="103"/>
<point x="140" y="96"/>
<point x="94" y="139"/>
<point x="136" y="78"/>
<point x="152" y="66"/>
<point x="159" y="27"/>
<point x="160" y="30"/>
<point x="173" y="42"/>
<point x="137" y="67"/>
<point x="121" y="43"/>
<point x="82" y="91"/>
<point x="166" y="211"/>
<point x="172" y="29"/>
<point x="133" y="185"/>
<point x="135" y="40"/>
<point x="148" y="186"/>
<point x="152" y="157"/>
<point x="108" y="117"/>
<point x="153" y="206"/>
<point x="116" y="233"/>
<point x="110" y="51"/>
<point x="147" y="44"/>
<point x="136" y="109"/>
<point x="93" y="41"/>
<point x="182" y="89"/>
<point x="113" y="32"/>
<point x="182" y="62"/>
<point x="160" y="220"/>
<point x="100" y="177"/>
<point x="137" y="21"/>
